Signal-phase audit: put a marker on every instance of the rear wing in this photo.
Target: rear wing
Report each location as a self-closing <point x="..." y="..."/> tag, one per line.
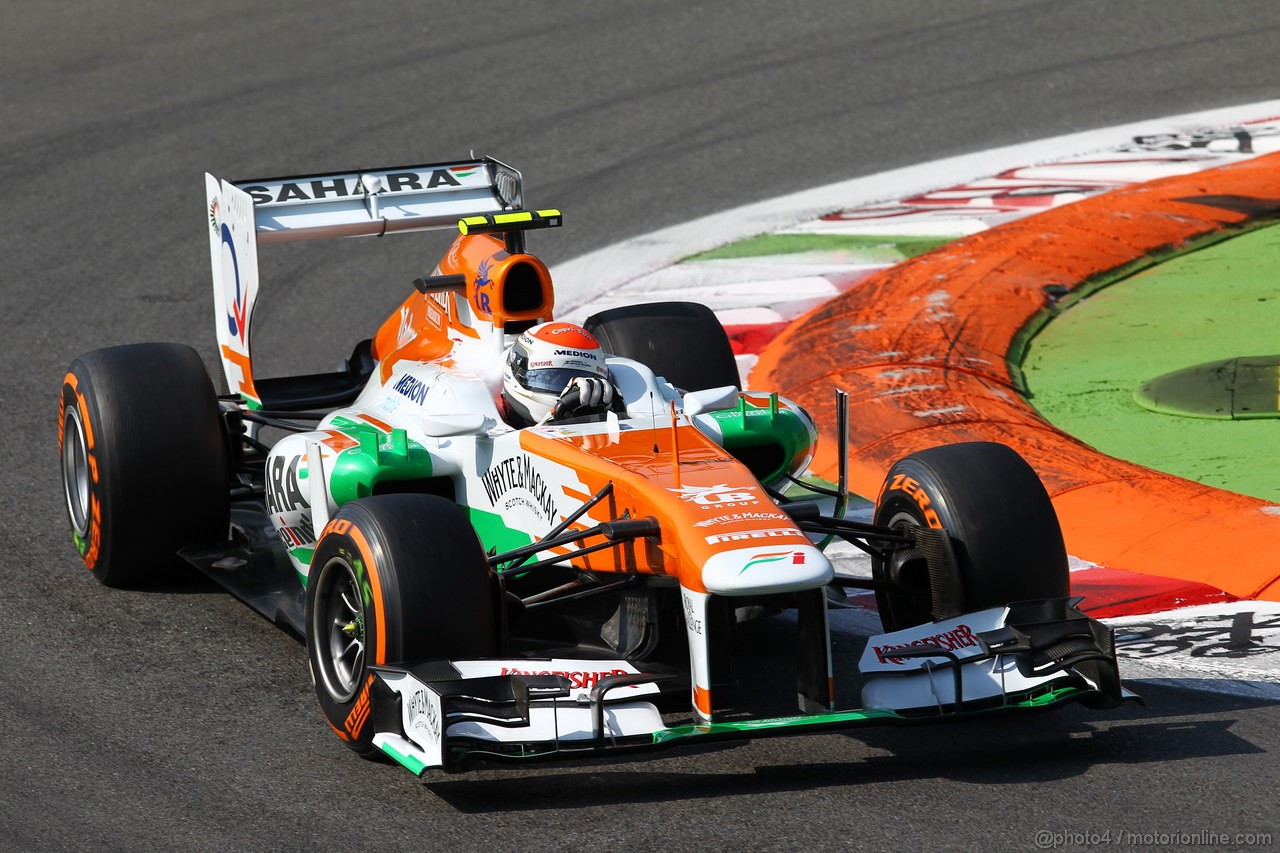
<point x="365" y="202"/>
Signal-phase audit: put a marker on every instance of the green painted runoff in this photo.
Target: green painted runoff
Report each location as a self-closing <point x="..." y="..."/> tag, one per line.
<point x="846" y="248"/>
<point x="1214" y="304"/>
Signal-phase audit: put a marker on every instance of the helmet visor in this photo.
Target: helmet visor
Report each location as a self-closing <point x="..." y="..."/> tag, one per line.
<point x="553" y="379"/>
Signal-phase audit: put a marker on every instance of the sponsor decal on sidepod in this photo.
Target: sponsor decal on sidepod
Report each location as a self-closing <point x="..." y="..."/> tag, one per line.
<point x="518" y="472"/>
<point x="412" y="388"/>
<point x="283" y="492"/>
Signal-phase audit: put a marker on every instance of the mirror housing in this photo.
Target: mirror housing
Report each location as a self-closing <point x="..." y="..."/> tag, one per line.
<point x="710" y="400"/>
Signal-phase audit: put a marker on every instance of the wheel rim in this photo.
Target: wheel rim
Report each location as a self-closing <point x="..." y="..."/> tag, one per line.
<point x="904" y="604"/>
<point x="902" y="519"/>
<point x="75" y="472"/>
<point x="338" y="627"/>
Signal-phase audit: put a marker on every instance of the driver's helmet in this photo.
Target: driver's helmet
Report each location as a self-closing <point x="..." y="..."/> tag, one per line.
<point x="545" y="359"/>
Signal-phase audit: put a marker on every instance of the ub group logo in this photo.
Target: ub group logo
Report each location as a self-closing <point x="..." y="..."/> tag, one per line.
<point x="715" y="497"/>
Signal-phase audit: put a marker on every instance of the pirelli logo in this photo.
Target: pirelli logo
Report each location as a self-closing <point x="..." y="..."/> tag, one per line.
<point x="359" y="712"/>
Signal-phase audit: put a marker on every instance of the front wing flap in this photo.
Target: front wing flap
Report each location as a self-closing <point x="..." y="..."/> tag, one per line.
<point x="454" y="715"/>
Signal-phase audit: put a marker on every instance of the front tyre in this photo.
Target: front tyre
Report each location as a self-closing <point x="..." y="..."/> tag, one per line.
<point x="394" y="579"/>
<point x="1005" y="541"/>
<point x="144" y="460"/>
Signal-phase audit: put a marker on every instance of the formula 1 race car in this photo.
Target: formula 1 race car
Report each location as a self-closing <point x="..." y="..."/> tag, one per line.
<point x="472" y="589"/>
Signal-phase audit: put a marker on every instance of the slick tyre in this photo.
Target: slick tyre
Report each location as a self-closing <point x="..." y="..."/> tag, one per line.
<point x="394" y="579"/>
<point x="1005" y="540"/>
<point x="681" y="341"/>
<point x="144" y="460"/>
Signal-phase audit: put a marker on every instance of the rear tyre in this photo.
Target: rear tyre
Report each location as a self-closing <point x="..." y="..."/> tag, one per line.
<point x="681" y="341"/>
<point x="395" y="579"/>
<point x="1005" y="541"/>
<point x="144" y="460"/>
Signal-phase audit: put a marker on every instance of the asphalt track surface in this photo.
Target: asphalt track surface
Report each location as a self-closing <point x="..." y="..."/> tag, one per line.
<point x="176" y="718"/>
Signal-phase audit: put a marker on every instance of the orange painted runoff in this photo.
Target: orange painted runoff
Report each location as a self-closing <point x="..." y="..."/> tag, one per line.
<point x="923" y="347"/>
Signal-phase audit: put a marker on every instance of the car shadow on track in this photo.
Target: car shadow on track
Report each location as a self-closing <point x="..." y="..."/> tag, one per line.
<point x="179" y="579"/>
<point x="1035" y="748"/>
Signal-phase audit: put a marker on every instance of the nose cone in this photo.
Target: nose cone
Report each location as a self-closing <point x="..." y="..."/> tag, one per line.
<point x="765" y="569"/>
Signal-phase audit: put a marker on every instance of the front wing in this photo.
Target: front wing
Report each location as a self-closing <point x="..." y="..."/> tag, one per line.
<point x="455" y="715"/>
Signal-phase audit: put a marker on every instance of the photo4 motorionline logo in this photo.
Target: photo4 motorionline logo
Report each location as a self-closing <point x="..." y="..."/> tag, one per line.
<point x="1051" y="840"/>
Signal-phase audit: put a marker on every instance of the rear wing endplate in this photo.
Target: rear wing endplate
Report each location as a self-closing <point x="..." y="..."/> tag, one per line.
<point x="366" y="202"/>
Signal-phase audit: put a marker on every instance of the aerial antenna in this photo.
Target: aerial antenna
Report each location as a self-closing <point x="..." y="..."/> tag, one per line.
<point x="675" y="445"/>
<point x="653" y="416"/>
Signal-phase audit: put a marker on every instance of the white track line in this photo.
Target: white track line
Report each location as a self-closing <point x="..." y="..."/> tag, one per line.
<point x="581" y="279"/>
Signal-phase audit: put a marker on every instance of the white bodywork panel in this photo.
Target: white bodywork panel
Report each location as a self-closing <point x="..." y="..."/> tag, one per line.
<point x="911" y="683"/>
<point x="565" y="720"/>
<point x="233" y="251"/>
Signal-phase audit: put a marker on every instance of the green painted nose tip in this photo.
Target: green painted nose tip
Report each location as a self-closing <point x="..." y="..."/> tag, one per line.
<point x="1239" y="388"/>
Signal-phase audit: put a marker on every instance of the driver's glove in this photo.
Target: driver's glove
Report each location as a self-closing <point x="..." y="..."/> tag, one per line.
<point x="583" y="395"/>
<point x="592" y="393"/>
